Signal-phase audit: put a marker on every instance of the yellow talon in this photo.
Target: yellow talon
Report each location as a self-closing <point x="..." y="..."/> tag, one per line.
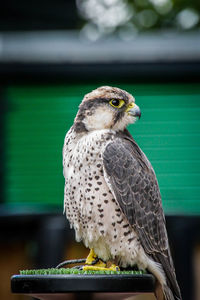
<point x="114" y="268"/>
<point x="94" y="268"/>
<point x="101" y="268"/>
<point x="99" y="265"/>
<point x="91" y="257"/>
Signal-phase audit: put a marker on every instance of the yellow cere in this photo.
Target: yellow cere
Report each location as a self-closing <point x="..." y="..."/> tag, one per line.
<point x="118" y="103"/>
<point x="131" y="105"/>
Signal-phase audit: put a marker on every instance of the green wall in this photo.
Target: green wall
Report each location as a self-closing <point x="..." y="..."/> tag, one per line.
<point x="168" y="132"/>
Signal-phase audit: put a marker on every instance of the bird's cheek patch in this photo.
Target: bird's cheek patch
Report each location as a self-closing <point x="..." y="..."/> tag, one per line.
<point x="102" y="118"/>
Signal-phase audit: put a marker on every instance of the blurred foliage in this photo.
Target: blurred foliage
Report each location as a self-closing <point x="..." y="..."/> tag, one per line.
<point x="127" y="18"/>
<point x="98" y="18"/>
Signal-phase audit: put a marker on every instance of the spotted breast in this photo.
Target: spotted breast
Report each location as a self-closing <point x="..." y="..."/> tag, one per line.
<point x="90" y="204"/>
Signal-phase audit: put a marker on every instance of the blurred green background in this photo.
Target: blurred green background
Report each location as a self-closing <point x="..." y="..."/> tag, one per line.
<point x="168" y="132"/>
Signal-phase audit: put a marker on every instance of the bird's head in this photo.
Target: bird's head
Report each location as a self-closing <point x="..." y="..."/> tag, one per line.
<point x="106" y="108"/>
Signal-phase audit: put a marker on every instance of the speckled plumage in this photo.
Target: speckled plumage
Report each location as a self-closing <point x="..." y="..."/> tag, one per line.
<point x="90" y="205"/>
<point x="112" y="198"/>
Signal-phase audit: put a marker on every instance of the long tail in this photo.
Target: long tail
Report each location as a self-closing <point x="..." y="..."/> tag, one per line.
<point x="167" y="289"/>
<point x="164" y="293"/>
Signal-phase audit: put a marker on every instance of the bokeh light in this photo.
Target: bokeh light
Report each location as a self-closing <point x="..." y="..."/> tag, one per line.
<point x="188" y="18"/>
<point x="127" y="18"/>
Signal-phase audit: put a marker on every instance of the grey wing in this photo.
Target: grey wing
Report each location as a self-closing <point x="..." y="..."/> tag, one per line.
<point x="134" y="184"/>
<point x="136" y="190"/>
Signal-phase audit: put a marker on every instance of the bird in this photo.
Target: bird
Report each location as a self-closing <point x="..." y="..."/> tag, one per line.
<point x="111" y="194"/>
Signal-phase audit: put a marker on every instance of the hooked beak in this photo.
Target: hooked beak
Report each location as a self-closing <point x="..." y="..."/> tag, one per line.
<point x="133" y="110"/>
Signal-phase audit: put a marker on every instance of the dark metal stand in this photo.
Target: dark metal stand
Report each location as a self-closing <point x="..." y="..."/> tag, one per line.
<point x="50" y="233"/>
<point x="54" y="287"/>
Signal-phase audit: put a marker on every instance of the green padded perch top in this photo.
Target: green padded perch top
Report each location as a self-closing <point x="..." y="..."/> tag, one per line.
<point x="55" y="271"/>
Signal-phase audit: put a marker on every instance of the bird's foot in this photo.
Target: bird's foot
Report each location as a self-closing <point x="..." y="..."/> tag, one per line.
<point x="101" y="268"/>
<point x="93" y="263"/>
<point x="92" y="258"/>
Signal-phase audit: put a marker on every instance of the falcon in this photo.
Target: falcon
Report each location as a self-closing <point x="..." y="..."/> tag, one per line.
<point x="111" y="195"/>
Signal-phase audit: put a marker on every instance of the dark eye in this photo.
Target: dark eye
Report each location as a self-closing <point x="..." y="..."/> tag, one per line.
<point x="116" y="103"/>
